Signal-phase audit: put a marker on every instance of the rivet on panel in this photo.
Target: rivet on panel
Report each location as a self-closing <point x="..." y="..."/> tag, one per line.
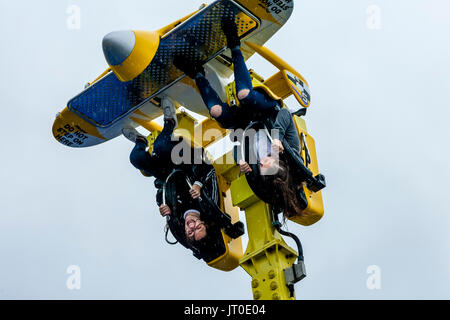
<point x="273" y="285"/>
<point x="272" y="274"/>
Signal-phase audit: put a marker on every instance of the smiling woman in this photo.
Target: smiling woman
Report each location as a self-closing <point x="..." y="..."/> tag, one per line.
<point x="191" y="226"/>
<point x="195" y="228"/>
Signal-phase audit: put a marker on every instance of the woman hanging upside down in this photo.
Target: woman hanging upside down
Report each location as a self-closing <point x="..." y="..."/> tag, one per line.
<point x="160" y="164"/>
<point x="253" y="101"/>
<point x="255" y="105"/>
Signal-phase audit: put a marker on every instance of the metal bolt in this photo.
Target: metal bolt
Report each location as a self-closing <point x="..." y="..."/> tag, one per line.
<point x="255" y="283"/>
<point x="273" y="285"/>
<point x="257" y="295"/>
<point x="276" y="296"/>
<point x="272" y="274"/>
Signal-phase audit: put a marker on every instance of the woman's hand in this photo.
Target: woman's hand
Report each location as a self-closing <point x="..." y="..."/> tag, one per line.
<point x="244" y="166"/>
<point x="195" y="191"/>
<point x="164" y="210"/>
<point x="277" y="146"/>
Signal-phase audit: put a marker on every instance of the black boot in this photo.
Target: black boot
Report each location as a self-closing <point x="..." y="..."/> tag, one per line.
<point x="191" y="69"/>
<point x="229" y="28"/>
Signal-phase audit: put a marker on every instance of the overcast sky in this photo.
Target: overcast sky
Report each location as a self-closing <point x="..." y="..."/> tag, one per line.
<point x="379" y="73"/>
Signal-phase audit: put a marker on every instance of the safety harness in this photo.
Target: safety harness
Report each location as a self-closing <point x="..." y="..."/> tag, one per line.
<point x="210" y="213"/>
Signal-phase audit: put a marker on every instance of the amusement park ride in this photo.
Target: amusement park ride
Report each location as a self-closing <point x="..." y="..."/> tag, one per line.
<point x="130" y="93"/>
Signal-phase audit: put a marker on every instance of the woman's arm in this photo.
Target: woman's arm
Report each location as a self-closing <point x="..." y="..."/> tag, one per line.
<point x="287" y="131"/>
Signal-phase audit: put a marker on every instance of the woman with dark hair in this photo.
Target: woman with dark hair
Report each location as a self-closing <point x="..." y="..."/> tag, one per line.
<point x="286" y="195"/>
<point x="255" y="105"/>
<point x="269" y="173"/>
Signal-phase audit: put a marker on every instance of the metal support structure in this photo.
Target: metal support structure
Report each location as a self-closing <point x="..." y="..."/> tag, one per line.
<point x="267" y="256"/>
<point x="268" y="259"/>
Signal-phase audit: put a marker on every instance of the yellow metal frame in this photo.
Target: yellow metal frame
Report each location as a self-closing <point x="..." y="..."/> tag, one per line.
<point x="279" y="84"/>
<point x="267" y="254"/>
<point x="315" y="209"/>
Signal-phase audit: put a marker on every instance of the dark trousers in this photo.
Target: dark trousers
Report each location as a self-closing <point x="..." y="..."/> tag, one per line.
<point x="162" y="150"/>
<point x="255" y="101"/>
<point x="163" y="146"/>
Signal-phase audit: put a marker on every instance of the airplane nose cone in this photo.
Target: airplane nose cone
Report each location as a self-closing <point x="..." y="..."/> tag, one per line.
<point x="118" y="45"/>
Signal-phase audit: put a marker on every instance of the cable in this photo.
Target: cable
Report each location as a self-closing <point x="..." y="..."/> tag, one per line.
<point x="166" y="230"/>
<point x="277" y="225"/>
<point x="164" y="202"/>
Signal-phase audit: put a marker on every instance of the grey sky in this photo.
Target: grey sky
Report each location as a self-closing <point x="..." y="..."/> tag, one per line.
<point x="379" y="117"/>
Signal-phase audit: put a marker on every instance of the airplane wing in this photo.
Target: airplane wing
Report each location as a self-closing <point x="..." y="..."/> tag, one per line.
<point x="99" y="113"/>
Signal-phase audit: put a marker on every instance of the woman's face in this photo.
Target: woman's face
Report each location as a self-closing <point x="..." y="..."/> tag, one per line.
<point x="267" y="162"/>
<point x="194" y="227"/>
<point x="269" y="166"/>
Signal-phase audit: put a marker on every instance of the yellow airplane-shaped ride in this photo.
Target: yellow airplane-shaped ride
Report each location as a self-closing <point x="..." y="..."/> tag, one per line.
<point x="141" y="76"/>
